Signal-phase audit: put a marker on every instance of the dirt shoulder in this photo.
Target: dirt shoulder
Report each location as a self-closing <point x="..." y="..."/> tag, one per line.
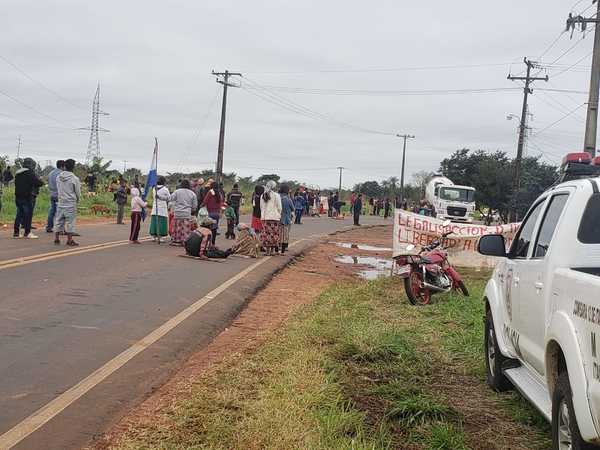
<point x="323" y="359"/>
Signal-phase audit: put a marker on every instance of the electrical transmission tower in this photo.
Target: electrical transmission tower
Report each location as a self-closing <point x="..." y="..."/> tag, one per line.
<point x="528" y="79"/>
<point x="93" y="150"/>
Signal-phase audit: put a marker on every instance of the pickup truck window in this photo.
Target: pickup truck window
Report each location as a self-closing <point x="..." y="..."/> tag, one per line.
<point x="549" y="222"/>
<point x="589" y="228"/>
<point x="521" y="244"/>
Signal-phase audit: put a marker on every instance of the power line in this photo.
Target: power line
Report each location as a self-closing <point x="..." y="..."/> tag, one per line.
<point x="25" y="105"/>
<point x="39" y="83"/>
<point x="367" y="92"/>
<point x="559" y="120"/>
<point x="573" y="65"/>
<point x="551" y="46"/>
<point x="380" y="69"/>
<point x="265" y="94"/>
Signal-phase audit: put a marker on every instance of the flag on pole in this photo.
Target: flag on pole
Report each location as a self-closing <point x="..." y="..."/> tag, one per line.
<point x="152" y="177"/>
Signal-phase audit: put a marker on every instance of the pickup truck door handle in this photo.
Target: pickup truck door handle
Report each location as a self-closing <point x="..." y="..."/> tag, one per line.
<point x="538" y="286"/>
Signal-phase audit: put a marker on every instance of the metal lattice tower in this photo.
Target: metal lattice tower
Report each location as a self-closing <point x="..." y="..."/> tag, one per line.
<point x="93" y="150"/>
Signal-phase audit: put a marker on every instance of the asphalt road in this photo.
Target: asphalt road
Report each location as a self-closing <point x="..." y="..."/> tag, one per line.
<point x="69" y="312"/>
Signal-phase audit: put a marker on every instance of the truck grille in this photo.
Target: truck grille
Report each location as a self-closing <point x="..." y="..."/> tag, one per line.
<point x="456" y="211"/>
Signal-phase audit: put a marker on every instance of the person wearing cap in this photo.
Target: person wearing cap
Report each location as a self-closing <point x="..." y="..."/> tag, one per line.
<point x="26" y="183"/>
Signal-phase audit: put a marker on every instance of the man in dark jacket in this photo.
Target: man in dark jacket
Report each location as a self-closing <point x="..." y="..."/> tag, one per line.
<point x="357" y="209"/>
<point x="26" y="183"/>
<point x="121" y="198"/>
<point x="7" y="176"/>
<point x="234" y="199"/>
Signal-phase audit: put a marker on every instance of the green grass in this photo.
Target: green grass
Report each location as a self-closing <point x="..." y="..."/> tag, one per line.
<point x="357" y="369"/>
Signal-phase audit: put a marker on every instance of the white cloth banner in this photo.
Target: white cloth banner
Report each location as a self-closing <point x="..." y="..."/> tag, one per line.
<point x="411" y="228"/>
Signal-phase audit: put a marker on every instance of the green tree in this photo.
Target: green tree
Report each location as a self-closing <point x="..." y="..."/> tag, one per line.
<point x="369" y="188"/>
<point x="264" y="178"/>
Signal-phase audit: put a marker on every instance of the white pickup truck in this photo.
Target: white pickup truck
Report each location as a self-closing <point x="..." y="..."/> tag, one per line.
<point x="543" y="311"/>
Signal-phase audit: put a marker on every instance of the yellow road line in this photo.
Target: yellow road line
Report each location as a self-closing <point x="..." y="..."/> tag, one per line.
<point x="43" y="415"/>
<point x="8" y="263"/>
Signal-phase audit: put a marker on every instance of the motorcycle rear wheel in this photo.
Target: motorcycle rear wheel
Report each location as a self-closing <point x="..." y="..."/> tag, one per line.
<point x="416" y="293"/>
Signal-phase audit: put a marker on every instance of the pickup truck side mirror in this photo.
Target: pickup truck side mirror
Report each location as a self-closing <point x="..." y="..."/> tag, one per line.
<point x="492" y="245"/>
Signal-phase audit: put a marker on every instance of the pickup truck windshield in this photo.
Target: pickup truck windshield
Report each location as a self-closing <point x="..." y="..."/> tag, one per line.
<point x="589" y="228"/>
<point x="457" y="194"/>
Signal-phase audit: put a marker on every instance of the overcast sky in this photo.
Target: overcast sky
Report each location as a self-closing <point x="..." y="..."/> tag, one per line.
<point x="154" y="60"/>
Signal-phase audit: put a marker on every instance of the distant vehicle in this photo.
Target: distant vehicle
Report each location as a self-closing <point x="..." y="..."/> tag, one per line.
<point x="543" y="308"/>
<point x="449" y="201"/>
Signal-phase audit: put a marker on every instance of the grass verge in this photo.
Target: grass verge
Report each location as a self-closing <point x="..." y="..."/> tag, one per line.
<point x="359" y="368"/>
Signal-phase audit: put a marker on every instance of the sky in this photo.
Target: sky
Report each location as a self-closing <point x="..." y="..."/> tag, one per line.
<point x="324" y="83"/>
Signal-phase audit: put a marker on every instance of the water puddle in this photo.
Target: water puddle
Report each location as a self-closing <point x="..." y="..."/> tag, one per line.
<point x="375" y="267"/>
<point x="367" y="248"/>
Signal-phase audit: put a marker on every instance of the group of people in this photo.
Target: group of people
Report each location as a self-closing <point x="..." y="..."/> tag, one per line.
<point x="65" y="192"/>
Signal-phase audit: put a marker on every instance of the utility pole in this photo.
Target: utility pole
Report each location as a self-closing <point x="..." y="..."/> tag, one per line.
<point x="124" y="166"/>
<point x="225" y="82"/>
<point x="405" y="137"/>
<point x="528" y="79"/>
<point x="340" y="187"/>
<point x="591" y="123"/>
<point x="93" y="150"/>
<point x="19" y="147"/>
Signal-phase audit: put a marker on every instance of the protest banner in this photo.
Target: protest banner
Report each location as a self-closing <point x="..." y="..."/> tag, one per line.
<point x="411" y="228"/>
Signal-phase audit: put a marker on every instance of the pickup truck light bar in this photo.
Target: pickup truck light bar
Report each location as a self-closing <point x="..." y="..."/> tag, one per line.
<point x="576" y="166"/>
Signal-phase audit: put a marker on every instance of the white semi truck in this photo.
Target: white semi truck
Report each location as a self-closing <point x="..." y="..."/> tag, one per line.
<point x="450" y="201"/>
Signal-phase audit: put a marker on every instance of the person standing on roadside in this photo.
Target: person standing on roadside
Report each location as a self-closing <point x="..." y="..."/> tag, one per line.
<point x="287" y="211"/>
<point x="357" y="209"/>
<point x="298" y="207"/>
<point x="121" y="199"/>
<point x="184" y="202"/>
<point x="234" y="199"/>
<point x="69" y="193"/>
<point x="26" y="182"/>
<point x="387" y="208"/>
<point x="213" y="201"/>
<point x="159" y="222"/>
<point x="60" y="166"/>
<point x="256" y="213"/>
<point x="7" y="176"/>
<point x="137" y="204"/>
<point x="270" y="208"/>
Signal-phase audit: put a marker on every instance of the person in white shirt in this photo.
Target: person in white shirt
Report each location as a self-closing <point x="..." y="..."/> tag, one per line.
<point x="159" y="222"/>
<point x="270" y="207"/>
<point x="137" y="204"/>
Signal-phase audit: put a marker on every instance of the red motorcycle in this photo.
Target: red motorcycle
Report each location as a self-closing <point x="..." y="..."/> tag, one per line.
<point x="429" y="272"/>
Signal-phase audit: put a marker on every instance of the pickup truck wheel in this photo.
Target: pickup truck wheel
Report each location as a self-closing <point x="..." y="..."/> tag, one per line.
<point x="494" y="359"/>
<point x="565" y="431"/>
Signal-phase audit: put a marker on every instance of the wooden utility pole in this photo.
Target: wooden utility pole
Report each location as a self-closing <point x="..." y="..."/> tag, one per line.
<point x="591" y="123"/>
<point x="405" y="137"/>
<point x="528" y="79"/>
<point x="19" y="147"/>
<point x="225" y="82"/>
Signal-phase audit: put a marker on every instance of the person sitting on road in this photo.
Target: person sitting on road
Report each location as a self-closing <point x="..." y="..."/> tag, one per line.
<point x="247" y="242"/>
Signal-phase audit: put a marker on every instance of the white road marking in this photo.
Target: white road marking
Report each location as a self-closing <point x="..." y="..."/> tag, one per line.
<point x="43" y="415"/>
<point x="83" y="327"/>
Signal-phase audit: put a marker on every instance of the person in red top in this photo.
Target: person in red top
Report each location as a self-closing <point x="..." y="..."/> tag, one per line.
<point x="213" y="201"/>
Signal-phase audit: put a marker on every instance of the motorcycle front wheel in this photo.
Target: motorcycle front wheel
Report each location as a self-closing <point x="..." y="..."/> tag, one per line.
<point x="416" y="293"/>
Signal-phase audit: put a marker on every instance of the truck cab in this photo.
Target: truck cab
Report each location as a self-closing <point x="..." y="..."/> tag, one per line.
<point x="450" y="201"/>
<point x="543" y="310"/>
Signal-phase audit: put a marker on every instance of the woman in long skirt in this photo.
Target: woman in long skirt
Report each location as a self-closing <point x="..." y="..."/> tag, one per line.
<point x="270" y="208"/>
<point x="159" y="223"/>
<point x="256" y="213"/>
<point x="185" y="202"/>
